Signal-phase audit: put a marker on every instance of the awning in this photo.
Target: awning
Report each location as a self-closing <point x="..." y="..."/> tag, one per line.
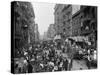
<point x="79" y="38"/>
<point x="57" y="37"/>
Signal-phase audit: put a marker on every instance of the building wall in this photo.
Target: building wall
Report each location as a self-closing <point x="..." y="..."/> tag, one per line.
<point x="67" y="20"/>
<point x="31" y="32"/>
<point x="76" y="23"/>
<point x="89" y="24"/>
<point x="63" y="15"/>
<point x="89" y="19"/>
<point x="36" y="32"/>
<point x="51" y="31"/>
<point x="58" y="16"/>
<point x="23" y="12"/>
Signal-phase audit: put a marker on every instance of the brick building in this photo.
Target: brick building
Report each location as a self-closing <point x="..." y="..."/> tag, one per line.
<point x="76" y="21"/>
<point x="22" y="20"/>
<point x="58" y="18"/>
<point x="51" y="31"/>
<point x="36" y="32"/>
<point x="63" y="15"/>
<point x="89" y="23"/>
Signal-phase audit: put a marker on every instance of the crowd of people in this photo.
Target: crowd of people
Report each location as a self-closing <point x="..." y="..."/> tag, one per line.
<point x="45" y="56"/>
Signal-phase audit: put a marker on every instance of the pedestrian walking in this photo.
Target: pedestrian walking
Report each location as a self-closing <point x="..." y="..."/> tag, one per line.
<point x="30" y="68"/>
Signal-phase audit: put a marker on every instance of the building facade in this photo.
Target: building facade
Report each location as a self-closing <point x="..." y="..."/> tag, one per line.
<point x="58" y="17"/>
<point x="89" y="19"/>
<point x="84" y="23"/>
<point x="23" y="18"/>
<point x="76" y="21"/>
<point x="67" y="21"/>
<point x="51" y="31"/>
<point x="89" y="23"/>
<point x="63" y="15"/>
<point x="36" y="32"/>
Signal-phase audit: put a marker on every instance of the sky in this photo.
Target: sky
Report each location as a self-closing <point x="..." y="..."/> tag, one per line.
<point x="44" y="15"/>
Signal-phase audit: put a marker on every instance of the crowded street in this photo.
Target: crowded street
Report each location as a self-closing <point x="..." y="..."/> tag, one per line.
<point x="53" y="37"/>
<point x="48" y="56"/>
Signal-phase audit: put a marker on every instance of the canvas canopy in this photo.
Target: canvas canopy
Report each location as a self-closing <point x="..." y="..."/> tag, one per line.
<point x="79" y="38"/>
<point x="57" y="37"/>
